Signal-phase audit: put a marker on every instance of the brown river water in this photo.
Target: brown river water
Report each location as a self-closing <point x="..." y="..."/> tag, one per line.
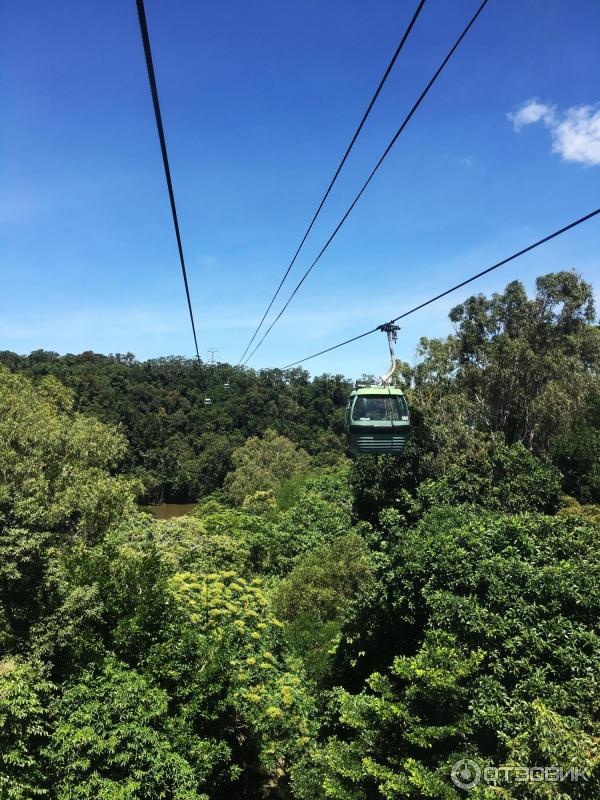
<point x="170" y="510"/>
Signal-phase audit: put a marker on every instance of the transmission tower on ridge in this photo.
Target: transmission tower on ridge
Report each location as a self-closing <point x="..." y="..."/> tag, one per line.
<point x="211" y="355"/>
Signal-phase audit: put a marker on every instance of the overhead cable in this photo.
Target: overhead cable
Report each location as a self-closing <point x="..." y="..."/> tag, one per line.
<point x="165" y="158"/>
<point x="373" y="172"/>
<point x="337" y="172"/>
<point x="504" y="261"/>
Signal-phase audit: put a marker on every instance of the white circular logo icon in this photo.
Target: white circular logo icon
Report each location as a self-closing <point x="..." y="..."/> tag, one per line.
<point x="465" y="773"/>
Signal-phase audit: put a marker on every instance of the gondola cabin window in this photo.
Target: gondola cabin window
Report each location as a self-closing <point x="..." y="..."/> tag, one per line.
<point x="380" y="408"/>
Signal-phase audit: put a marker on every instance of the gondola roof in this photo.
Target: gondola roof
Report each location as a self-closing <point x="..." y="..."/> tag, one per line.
<point x="377" y="390"/>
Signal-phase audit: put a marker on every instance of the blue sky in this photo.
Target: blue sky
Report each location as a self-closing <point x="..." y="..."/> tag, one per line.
<point x="259" y="101"/>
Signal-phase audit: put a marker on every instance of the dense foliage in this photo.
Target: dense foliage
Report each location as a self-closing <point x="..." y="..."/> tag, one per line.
<point x="178" y="447"/>
<point x="320" y="626"/>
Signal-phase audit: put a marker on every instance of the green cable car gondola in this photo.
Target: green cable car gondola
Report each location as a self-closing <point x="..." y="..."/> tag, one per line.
<point x="377" y="417"/>
<point x="377" y="420"/>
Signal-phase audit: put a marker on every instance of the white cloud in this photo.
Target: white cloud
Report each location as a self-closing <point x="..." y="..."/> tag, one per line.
<point x="531" y="112"/>
<point x="577" y="136"/>
<point x="575" y="133"/>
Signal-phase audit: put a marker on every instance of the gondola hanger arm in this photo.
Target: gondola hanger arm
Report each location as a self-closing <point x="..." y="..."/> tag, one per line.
<point x="392" y="336"/>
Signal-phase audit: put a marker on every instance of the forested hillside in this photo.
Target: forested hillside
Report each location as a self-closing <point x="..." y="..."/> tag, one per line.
<point x="322" y="626"/>
<point x="179" y="448"/>
<point x="522" y="368"/>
